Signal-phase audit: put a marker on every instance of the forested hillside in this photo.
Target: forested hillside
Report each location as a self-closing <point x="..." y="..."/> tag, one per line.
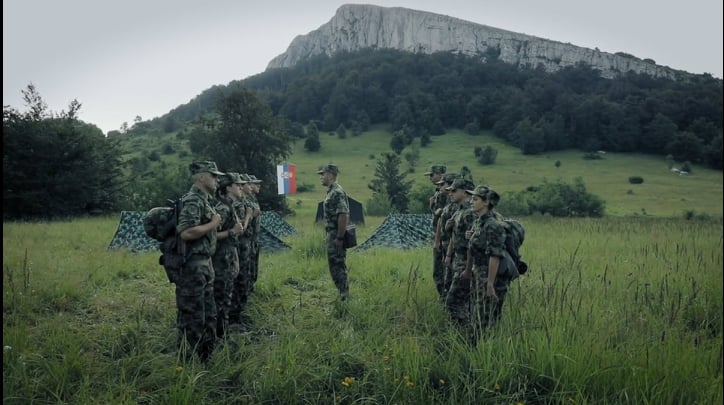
<point x="424" y="95"/>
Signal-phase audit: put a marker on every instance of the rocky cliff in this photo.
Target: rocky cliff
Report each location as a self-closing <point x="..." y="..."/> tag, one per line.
<point x="356" y="26"/>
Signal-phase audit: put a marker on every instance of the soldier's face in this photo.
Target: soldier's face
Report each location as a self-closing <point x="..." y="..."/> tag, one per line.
<point x="435" y="177"/>
<point x="479" y="204"/>
<point x="210" y="182"/>
<point x="325" y="178"/>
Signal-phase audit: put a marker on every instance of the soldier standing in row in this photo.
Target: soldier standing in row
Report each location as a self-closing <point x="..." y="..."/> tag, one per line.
<point x="197" y="224"/>
<point x="436" y="204"/>
<point x="243" y="209"/>
<point x="458" y="301"/>
<point x="226" y="258"/>
<point x="256" y="231"/>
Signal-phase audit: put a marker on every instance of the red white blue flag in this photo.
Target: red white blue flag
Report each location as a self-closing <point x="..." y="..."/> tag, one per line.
<point x="286" y="179"/>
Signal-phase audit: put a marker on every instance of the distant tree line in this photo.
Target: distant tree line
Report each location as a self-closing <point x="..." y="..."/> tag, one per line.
<point x="529" y="108"/>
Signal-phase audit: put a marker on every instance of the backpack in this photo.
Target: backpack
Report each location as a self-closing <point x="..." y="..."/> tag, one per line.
<point x="514" y="237"/>
<point x="160" y="224"/>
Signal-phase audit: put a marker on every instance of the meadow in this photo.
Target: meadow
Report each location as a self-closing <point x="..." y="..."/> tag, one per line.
<point x="614" y="310"/>
<point x="621" y="309"/>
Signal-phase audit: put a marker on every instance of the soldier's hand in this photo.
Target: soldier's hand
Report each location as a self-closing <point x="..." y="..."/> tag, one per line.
<point x="490" y="293"/>
<point x="216" y="219"/>
<point x="338" y="243"/>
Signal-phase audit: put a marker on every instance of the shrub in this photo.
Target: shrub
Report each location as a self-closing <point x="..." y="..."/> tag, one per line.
<point x="592" y="156"/>
<point x="635" y="179"/>
<point x="305" y="187"/>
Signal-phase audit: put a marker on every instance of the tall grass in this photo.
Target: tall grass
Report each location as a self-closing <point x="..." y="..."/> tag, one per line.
<point x="614" y="310"/>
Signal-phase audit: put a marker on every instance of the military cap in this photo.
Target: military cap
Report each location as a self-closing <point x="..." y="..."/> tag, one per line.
<point x="487" y="193"/>
<point x="448" y="178"/>
<point x="253" y="179"/>
<point x="204" y="167"/>
<point x="439" y="169"/>
<point x="461" y="183"/>
<point x="246" y="178"/>
<point x="330" y="168"/>
<point x="232" y="177"/>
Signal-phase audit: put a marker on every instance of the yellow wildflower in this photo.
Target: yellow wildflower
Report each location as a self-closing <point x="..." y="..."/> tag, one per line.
<point x="441" y="381"/>
<point x="179" y="369"/>
<point x="497" y="387"/>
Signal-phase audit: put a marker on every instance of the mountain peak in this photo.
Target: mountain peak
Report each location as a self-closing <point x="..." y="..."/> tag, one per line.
<point x="357" y="26"/>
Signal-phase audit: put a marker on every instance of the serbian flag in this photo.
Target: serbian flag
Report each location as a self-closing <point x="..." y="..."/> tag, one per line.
<point x="286" y="179"/>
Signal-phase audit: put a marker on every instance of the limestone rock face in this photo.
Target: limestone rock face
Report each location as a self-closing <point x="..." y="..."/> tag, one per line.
<point x="357" y="26"/>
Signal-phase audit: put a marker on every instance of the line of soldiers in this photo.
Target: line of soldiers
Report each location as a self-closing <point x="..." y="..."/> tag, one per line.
<point x="220" y="222"/>
<point x="468" y="244"/>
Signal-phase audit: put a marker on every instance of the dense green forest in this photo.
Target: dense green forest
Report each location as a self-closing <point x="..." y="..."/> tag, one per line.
<point x="55" y="165"/>
<point x="423" y="95"/>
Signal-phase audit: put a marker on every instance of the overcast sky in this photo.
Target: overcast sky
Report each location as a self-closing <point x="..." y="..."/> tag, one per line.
<point x="127" y="58"/>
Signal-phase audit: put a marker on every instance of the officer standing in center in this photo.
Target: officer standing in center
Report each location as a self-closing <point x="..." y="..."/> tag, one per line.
<point x="336" y="216"/>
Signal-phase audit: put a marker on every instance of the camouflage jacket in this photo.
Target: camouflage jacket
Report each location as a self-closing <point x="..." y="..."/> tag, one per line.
<point x="224" y="207"/>
<point x="439" y="200"/>
<point x="240" y="206"/>
<point x="197" y="210"/>
<point x="335" y="203"/>
<point x="255" y="223"/>
<point x="488" y="240"/>
<point x="447" y="213"/>
<point x="464" y="219"/>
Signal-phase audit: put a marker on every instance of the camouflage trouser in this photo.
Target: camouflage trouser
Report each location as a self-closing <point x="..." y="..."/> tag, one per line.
<point x="458" y="298"/>
<point x="486" y="312"/>
<point x="447" y="271"/>
<point x="226" y="269"/>
<point x="336" y="260"/>
<point x="242" y="283"/>
<point x="254" y="264"/>
<point x="438" y="271"/>
<point x="196" y="318"/>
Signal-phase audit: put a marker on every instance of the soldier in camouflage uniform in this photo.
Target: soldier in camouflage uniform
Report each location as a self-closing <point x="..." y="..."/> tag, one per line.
<point x="256" y="229"/>
<point x="242" y="283"/>
<point x="486" y="248"/>
<point x="226" y="258"/>
<point x="436" y="204"/>
<point x="457" y="301"/>
<point x="442" y="233"/>
<point x="336" y="217"/>
<point x="197" y="224"/>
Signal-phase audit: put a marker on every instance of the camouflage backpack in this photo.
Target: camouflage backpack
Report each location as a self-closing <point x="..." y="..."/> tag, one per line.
<point x="514" y="237"/>
<point x="160" y="224"/>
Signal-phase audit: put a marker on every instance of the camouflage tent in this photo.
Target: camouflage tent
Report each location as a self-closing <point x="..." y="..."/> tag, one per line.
<point x="130" y="233"/>
<point x="276" y="224"/>
<point x="402" y="231"/>
<point x="356" y="213"/>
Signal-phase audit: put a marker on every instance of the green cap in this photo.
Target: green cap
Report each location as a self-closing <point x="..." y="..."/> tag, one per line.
<point x="253" y="179"/>
<point x="205" y="167"/>
<point x="461" y="183"/>
<point x="436" y="169"/>
<point x="330" y="168"/>
<point x="448" y="178"/>
<point x="487" y="193"/>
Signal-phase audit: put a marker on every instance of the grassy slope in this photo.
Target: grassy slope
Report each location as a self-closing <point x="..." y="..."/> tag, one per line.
<point x="662" y="194"/>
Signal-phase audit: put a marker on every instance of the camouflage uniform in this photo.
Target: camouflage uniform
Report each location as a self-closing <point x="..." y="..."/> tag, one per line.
<point x="226" y="265"/>
<point x="488" y="239"/>
<point x="196" y="318"/>
<point x="445" y="235"/>
<point x="242" y="283"/>
<point x="336" y="203"/>
<point x="457" y="301"/>
<point x="255" y="227"/>
<point x="440" y="200"/>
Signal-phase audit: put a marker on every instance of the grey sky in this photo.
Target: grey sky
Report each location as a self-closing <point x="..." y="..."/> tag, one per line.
<point x="123" y="59"/>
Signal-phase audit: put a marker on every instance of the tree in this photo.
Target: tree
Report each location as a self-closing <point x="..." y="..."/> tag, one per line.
<point x="398" y="142"/>
<point x="389" y="181"/>
<point x="245" y="137"/>
<point x="312" y="144"/>
<point x="55" y="165"/>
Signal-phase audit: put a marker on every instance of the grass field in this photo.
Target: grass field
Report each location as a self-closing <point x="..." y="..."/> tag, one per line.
<point x="614" y="310"/>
